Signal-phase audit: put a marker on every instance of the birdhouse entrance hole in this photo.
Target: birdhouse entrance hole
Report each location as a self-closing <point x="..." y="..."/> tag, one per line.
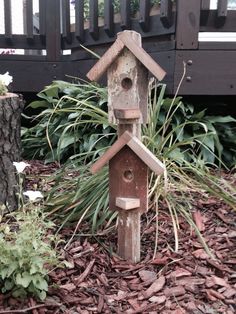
<point x="128" y="175"/>
<point x="126" y="83"/>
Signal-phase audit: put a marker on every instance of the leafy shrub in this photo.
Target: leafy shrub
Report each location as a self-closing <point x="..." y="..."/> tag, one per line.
<point x="25" y="254"/>
<point x="66" y="126"/>
<point x="75" y="122"/>
<point x="175" y="138"/>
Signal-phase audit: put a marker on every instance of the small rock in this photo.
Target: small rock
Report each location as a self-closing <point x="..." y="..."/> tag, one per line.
<point x="158" y="299"/>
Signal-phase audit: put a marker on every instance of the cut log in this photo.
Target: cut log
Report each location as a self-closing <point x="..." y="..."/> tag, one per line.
<point x="11" y="106"/>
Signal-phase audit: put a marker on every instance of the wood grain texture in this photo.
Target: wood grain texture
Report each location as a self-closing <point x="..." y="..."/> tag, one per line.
<point x="11" y="106"/>
<point x="218" y="77"/>
<point x="107" y="59"/>
<point x="127" y="203"/>
<point x="137" y="147"/>
<point x="142" y="56"/>
<point x="111" y="152"/>
<point x="127" y="113"/>
<point x="187" y="25"/>
<point x="127" y="178"/>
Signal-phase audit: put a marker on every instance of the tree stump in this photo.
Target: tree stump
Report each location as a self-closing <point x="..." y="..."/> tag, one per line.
<point x="11" y="106"/>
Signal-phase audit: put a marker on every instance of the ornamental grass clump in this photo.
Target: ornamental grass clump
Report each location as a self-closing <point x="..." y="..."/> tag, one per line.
<point x="189" y="143"/>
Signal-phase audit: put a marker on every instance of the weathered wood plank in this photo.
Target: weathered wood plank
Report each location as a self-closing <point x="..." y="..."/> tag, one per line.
<point x="210" y="73"/>
<point x="28" y="18"/>
<point x="7" y="19"/>
<point x="166" y="13"/>
<point x="156" y="29"/>
<point x="109" y="18"/>
<point x="65" y="10"/>
<point x="111" y="152"/>
<point x="142" y="56"/>
<point x="53" y="30"/>
<point x="127" y="203"/>
<point x="214" y="24"/>
<point x="21" y="42"/>
<point x="42" y="17"/>
<point x="205" y="9"/>
<point x="144" y="18"/>
<point x="146" y="156"/>
<point x="222" y="8"/>
<point x="109" y="56"/>
<point x="79" y="19"/>
<point x="127" y="113"/>
<point x="125" y="13"/>
<point x="93" y="19"/>
<point x="187" y="25"/>
<point x="129" y="235"/>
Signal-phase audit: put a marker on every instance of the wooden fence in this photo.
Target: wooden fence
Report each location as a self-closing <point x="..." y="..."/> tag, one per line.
<point x="170" y="33"/>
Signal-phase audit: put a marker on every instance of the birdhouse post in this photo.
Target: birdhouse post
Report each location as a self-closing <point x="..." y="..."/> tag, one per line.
<point x="127" y="66"/>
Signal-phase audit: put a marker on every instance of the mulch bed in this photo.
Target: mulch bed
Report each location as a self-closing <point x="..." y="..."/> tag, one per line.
<point x="189" y="281"/>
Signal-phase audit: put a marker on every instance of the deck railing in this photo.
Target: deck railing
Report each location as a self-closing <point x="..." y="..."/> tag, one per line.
<point x="170" y="32"/>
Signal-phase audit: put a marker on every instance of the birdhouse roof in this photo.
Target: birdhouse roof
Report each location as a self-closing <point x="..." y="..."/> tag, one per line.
<point x="123" y="40"/>
<point x="137" y="147"/>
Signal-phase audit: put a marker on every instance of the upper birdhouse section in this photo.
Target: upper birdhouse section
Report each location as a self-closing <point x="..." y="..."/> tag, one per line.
<point x="127" y="65"/>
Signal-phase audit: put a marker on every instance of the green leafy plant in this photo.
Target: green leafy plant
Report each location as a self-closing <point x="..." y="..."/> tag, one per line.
<point x="174" y="137"/>
<point x="25" y="254"/>
<point x="134" y="4"/>
<point x="26" y="245"/>
<point x="66" y="126"/>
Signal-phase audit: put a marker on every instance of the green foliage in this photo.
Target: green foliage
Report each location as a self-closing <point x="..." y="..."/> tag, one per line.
<point x="74" y="121"/>
<point x="185" y="135"/>
<point x="116" y="6"/>
<point x="26" y="254"/>
<point x="178" y="137"/>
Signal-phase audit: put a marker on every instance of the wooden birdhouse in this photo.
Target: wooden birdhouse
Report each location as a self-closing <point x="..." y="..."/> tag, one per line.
<point x="128" y="161"/>
<point x="127" y="65"/>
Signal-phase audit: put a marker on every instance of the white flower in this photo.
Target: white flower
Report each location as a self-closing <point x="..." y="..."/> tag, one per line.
<point x="20" y="166"/>
<point x="6" y="78"/>
<point x="33" y="195"/>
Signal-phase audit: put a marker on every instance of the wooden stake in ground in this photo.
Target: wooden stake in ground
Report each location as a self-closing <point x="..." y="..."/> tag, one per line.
<point x="11" y="106"/>
<point x="127" y="66"/>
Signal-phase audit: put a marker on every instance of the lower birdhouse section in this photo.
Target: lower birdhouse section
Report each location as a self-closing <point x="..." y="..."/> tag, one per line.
<point x="128" y="181"/>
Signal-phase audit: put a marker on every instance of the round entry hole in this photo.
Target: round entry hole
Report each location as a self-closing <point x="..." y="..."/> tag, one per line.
<point x="128" y="175"/>
<point x="126" y="83"/>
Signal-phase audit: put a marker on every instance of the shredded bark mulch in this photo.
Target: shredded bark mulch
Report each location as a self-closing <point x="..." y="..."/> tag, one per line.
<point x="190" y="281"/>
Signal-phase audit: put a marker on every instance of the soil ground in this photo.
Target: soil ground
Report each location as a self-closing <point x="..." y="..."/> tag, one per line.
<point x="189" y="281"/>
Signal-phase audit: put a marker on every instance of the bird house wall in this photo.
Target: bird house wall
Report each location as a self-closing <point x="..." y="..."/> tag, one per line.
<point x="128" y="177"/>
<point x="127" y="86"/>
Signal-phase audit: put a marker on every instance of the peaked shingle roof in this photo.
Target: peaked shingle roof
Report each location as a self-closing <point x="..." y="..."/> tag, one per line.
<point x="124" y="39"/>
<point x="137" y="147"/>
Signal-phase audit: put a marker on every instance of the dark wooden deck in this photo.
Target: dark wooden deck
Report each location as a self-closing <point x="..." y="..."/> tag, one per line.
<point x="170" y="36"/>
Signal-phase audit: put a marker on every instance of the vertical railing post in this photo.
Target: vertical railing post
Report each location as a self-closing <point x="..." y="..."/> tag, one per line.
<point x="53" y="30"/>
<point x="7" y="19"/>
<point x="187" y="24"/>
